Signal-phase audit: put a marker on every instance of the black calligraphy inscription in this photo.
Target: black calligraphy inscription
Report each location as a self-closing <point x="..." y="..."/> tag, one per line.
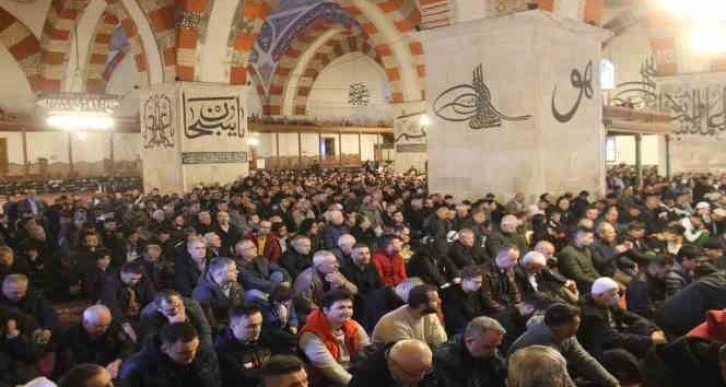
<point x="213" y="116"/>
<point x="358" y="95"/>
<point x="157" y="118"/>
<point x="409" y="130"/>
<point x="580" y="82"/>
<point x="472" y="103"/>
<point x="214" y="157"/>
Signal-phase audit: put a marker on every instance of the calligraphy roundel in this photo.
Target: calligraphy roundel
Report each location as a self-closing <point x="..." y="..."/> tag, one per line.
<point x="157" y="119"/>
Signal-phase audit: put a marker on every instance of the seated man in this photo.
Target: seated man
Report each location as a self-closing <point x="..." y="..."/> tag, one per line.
<point x="361" y="272"/>
<point x="344" y="249"/>
<point x="463" y="253"/>
<point x="472" y="359"/>
<point x="606" y="329"/>
<point x="20" y="349"/>
<point x="404" y="363"/>
<point x="532" y="277"/>
<point x="279" y="318"/>
<point x="30" y="304"/>
<point x="539" y="366"/>
<point x="499" y="284"/>
<point x="190" y="265"/>
<point x="388" y="261"/>
<point x="466" y="301"/>
<point x="257" y="272"/>
<point x="96" y="339"/>
<point x="283" y="371"/>
<point x="646" y="291"/>
<point x="125" y="294"/>
<point x="83" y="375"/>
<point x="170" y="307"/>
<point x="298" y="258"/>
<point x="240" y="348"/>
<point x="557" y="329"/>
<point x="681" y="273"/>
<point x="685" y="310"/>
<point x="314" y="282"/>
<point x="331" y="340"/>
<point x="386" y="299"/>
<point x="266" y="242"/>
<point x="173" y="358"/>
<point x="416" y="320"/>
<point x="96" y="277"/>
<point x="218" y="291"/>
<point x="575" y="260"/>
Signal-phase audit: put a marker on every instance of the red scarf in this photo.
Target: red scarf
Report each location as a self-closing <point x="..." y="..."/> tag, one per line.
<point x="318" y="324"/>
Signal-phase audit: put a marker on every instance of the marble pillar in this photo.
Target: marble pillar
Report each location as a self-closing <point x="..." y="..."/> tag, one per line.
<point x="514" y="103"/>
<point x="193" y="134"/>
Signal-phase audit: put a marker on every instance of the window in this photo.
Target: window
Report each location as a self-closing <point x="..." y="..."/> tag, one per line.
<point x="610" y="150"/>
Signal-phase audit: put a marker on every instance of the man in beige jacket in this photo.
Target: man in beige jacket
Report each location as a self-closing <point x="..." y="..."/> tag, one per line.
<point x="416" y="320"/>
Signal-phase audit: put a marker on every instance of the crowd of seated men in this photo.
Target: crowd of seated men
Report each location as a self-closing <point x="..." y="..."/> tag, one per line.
<point x="335" y="278"/>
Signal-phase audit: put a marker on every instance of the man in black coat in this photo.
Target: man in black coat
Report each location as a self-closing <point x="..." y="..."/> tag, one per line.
<point x="228" y="232"/>
<point x="170" y="307"/>
<point x="406" y="362"/>
<point x="682" y="312"/>
<point x="126" y="293"/>
<point x="218" y="291"/>
<point x="465" y="301"/>
<point x="606" y="326"/>
<point x="30" y="303"/>
<point x="363" y="275"/>
<point x="647" y="291"/>
<point x="174" y="358"/>
<point x="472" y="359"/>
<point x="96" y="339"/>
<point x="241" y="349"/>
<point x="432" y="266"/>
<point x="298" y="258"/>
<point x="257" y="272"/>
<point x="463" y="253"/>
<point x="189" y="266"/>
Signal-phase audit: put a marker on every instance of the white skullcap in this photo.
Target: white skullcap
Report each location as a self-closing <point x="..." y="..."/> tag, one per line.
<point x="702" y="205"/>
<point x="40" y="382"/>
<point x="602" y="285"/>
<point x="534" y="257"/>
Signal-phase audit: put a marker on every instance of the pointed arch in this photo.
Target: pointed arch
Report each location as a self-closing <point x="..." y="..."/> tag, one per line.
<point x="333" y="49"/>
<point x="55" y="41"/>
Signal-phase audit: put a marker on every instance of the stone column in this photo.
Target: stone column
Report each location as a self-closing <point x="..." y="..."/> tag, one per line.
<point x="193" y="133"/>
<point x="515" y="106"/>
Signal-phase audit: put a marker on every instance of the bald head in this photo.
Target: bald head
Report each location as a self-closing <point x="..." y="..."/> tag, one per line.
<point x="96" y="320"/>
<point x="410" y="361"/>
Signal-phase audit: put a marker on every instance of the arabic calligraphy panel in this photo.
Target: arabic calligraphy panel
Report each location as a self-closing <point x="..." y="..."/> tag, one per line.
<point x="213" y="116"/>
<point x="157" y="120"/>
<point x="191" y="158"/>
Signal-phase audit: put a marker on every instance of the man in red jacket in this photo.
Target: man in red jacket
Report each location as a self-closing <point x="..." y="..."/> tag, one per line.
<point x="389" y="262"/>
<point x="268" y="245"/>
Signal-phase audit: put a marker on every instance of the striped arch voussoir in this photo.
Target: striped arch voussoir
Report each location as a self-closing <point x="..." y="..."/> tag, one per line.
<point x="335" y="48"/>
<point x="116" y="8"/>
<point x="97" y="58"/>
<point x="22" y="45"/>
<point x="250" y="16"/>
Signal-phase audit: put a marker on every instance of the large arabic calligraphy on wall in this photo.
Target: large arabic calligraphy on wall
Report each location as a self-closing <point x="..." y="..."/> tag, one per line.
<point x="698" y="106"/>
<point x="213" y="116"/>
<point x="157" y="120"/>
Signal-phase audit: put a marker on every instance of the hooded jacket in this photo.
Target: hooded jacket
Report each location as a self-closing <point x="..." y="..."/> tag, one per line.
<point x="538" y="333"/>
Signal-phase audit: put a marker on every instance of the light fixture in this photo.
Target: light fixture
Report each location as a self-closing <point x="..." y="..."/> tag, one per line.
<point x="79" y="111"/>
<point x="424" y="120"/>
<point x="698" y="11"/>
<point x="709" y="39"/>
<point x="253" y="141"/>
